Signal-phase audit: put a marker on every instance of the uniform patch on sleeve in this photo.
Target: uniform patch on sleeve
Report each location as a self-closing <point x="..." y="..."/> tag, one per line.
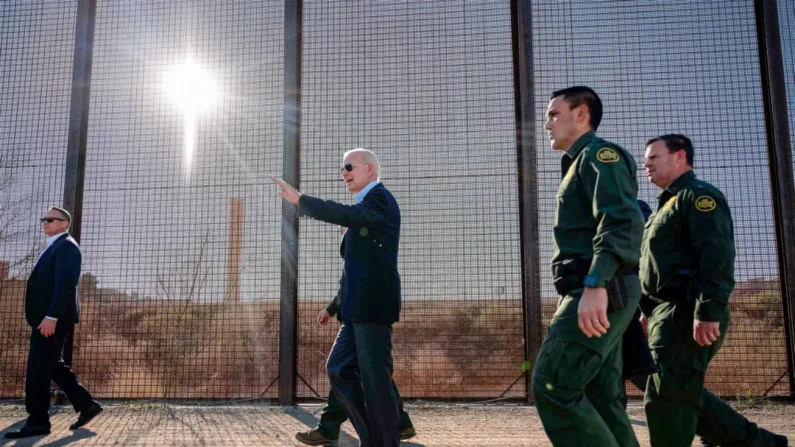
<point x="705" y="204"/>
<point x="607" y="155"/>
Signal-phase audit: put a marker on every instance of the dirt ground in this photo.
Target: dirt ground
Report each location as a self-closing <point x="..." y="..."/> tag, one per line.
<point x="140" y="423"/>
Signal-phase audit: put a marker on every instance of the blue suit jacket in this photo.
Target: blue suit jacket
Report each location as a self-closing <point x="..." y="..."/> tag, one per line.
<point x="52" y="286"/>
<point x="370" y="284"/>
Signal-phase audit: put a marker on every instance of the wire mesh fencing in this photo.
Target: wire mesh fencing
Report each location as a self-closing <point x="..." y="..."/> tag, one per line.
<point x="429" y="88"/>
<point x="181" y="229"/>
<point x="179" y="224"/>
<point x="36" y="48"/>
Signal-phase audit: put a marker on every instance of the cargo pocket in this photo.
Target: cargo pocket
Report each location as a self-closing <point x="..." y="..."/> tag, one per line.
<point x="565" y="364"/>
<point x="679" y="384"/>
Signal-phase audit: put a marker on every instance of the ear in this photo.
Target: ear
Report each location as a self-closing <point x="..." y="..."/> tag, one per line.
<point x="681" y="157"/>
<point x="581" y="114"/>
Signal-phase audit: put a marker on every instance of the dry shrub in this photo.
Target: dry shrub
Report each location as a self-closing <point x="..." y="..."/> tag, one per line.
<point x="14" y="338"/>
<point x="144" y="348"/>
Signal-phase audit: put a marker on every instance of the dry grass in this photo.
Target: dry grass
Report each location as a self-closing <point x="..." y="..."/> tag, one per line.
<point x="137" y="348"/>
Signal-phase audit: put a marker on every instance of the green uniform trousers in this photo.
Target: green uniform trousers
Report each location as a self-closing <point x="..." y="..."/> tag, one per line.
<point x="576" y="379"/>
<point x="334" y="414"/>
<point x="677" y="405"/>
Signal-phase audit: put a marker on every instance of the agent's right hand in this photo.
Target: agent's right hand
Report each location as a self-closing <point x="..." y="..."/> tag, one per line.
<point x="323" y="317"/>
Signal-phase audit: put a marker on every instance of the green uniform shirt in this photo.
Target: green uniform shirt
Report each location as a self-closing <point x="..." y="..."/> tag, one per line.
<point x="691" y="235"/>
<point x="597" y="216"/>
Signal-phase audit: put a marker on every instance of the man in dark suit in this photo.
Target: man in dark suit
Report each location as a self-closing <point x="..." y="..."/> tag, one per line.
<point x="52" y="310"/>
<point x="360" y="363"/>
<point x="334" y="413"/>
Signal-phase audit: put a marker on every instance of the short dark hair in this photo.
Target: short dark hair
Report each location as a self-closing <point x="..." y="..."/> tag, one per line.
<point x="65" y="214"/>
<point x="676" y="142"/>
<point x="579" y="95"/>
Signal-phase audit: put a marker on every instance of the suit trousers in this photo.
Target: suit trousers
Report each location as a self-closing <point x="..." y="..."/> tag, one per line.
<point x="334" y="414"/>
<point x="360" y="370"/>
<point x="45" y="364"/>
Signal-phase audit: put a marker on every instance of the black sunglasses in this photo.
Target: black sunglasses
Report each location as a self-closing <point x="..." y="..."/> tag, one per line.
<point x="349" y="166"/>
<point x="50" y="219"/>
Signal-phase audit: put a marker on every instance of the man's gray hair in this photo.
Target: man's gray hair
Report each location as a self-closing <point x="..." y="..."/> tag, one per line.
<point x="368" y="157"/>
<point x="65" y="214"/>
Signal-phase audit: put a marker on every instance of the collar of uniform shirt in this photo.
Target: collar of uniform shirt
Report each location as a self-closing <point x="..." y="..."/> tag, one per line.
<point x="579" y="144"/>
<point x="54" y="238"/>
<point x="360" y="195"/>
<point x="674" y="187"/>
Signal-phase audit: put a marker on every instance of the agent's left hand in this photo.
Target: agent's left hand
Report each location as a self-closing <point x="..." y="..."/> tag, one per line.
<point x="706" y="332"/>
<point x="592" y="312"/>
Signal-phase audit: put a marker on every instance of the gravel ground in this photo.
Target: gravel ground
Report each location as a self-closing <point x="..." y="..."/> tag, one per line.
<point x="148" y="424"/>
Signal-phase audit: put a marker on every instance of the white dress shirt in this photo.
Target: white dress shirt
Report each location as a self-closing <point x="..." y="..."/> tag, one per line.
<point x="50" y="241"/>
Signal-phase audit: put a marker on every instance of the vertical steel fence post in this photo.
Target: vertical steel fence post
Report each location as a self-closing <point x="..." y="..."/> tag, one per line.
<point x="779" y="149"/>
<point x="75" y="168"/>
<point x="291" y="167"/>
<point x="522" y="43"/>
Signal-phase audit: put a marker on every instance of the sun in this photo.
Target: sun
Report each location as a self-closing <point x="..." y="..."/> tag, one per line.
<point x="190" y="88"/>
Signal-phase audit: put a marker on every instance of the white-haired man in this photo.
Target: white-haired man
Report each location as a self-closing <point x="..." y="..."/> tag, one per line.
<point x="360" y="363"/>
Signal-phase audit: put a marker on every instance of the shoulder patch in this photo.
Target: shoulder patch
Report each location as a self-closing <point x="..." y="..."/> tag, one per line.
<point x="607" y="155"/>
<point x="705" y="204"/>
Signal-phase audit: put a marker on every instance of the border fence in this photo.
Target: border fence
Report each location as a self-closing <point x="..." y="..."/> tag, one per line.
<point x="157" y="124"/>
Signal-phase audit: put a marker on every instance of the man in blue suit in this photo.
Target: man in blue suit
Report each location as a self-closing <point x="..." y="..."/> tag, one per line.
<point x="334" y="413"/>
<point x="360" y="363"/>
<point x="52" y="310"/>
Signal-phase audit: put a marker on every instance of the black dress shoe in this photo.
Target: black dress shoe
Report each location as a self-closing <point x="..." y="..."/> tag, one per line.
<point x="28" y="430"/>
<point x="407" y="433"/>
<point x="314" y="437"/>
<point x="86" y="415"/>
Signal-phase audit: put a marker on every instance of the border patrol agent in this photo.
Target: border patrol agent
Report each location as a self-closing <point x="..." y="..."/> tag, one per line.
<point x="687" y="274"/>
<point x="597" y="235"/>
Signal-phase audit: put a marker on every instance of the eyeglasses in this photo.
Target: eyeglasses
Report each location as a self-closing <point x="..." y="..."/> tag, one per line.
<point x="50" y="219"/>
<point x="349" y="167"/>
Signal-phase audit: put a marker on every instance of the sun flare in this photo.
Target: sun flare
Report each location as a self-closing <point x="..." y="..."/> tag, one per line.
<point x="193" y="91"/>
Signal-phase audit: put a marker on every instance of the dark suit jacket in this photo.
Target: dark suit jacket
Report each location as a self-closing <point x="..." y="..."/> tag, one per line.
<point x="370" y="284"/>
<point x="52" y="286"/>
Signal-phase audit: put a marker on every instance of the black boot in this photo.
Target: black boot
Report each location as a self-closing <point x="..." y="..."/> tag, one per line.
<point x="29" y="430"/>
<point x="780" y="441"/>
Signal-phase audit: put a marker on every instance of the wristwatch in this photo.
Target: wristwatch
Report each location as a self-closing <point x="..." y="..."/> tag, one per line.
<point x="591" y="281"/>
